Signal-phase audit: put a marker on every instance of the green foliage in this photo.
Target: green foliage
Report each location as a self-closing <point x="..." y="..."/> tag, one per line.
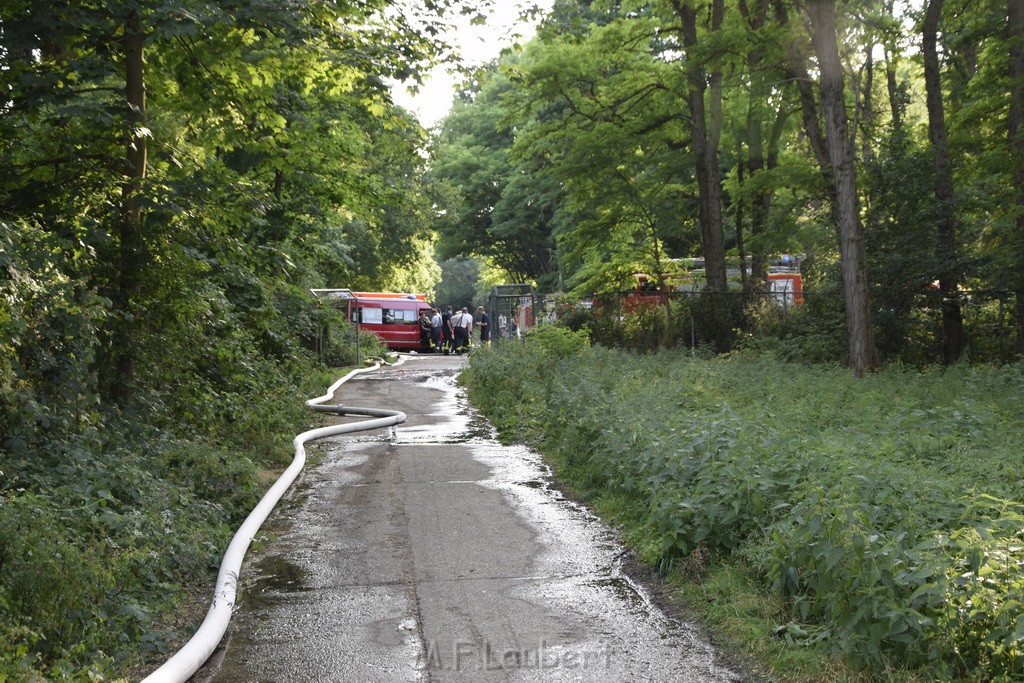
<point x="981" y="616"/>
<point x="495" y="208"/>
<point x="152" y="363"/>
<point x="581" y="140"/>
<point x="89" y="569"/>
<point x="708" y="321"/>
<point x="646" y="328"/>
<point x="460" y="278"/>
<point x="107" y="517"/>
<point x="559" y="343"/>
<point x="885" y="513"/>
<point x="812" y="333"/>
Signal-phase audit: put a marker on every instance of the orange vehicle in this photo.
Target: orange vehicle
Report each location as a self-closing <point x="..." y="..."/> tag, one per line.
<point x="787" y="287"/>
<point x="392" y="316"/>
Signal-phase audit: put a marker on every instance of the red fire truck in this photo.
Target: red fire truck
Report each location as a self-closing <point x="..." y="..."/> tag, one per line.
<point x="392" y="316"/>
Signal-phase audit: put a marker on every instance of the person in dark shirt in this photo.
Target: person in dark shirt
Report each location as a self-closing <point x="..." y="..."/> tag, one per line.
<point x="425" y="331"/>
<point x="447" y="333"/>
<point x="484" y="323"/>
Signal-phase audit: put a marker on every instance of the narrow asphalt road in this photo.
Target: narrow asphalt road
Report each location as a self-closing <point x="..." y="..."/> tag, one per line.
<point x="430" y="552"/>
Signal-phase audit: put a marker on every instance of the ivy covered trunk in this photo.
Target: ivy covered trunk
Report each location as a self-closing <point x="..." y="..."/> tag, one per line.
<point x="131" y="247"/>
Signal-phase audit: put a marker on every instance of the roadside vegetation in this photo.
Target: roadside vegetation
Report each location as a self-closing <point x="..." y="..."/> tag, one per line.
<point x="175" y="177"/>
<point x="113" y="520"/>
<point x="826" y="527"/>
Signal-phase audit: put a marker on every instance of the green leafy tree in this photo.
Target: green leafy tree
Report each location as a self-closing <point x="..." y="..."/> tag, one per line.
<point x="175" y="176"/>
<point x="501" y="214"/>
<point x="460" y="278"/>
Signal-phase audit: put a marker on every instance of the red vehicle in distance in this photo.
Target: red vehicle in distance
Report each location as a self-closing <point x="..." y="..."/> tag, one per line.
<point x="392" y="316"/>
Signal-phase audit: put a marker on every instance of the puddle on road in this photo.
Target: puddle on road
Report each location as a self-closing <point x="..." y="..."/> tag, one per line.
<point x="459" y="424"/>
<point x="276" y="574"/>
<point x="628" y="593"/>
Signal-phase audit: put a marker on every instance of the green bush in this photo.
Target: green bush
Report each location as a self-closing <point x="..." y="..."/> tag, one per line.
<point x="647" y="327"/>
<point x="557" y="342"/>
<point x="717" y="317"/>
<point x="110" y="515"/>
<point x="88" y="570"/>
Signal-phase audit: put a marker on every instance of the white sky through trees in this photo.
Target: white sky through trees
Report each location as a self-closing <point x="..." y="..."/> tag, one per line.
<point x="478" y="44"/>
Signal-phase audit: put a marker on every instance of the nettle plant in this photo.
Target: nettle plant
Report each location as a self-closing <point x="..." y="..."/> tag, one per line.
<point x="886" y="512"/>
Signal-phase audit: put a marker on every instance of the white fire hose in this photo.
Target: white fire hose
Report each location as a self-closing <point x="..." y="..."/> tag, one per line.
<point x="197" y="650"/>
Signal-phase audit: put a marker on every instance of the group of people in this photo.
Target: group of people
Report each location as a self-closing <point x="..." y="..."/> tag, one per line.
<point x="451" y="332"/>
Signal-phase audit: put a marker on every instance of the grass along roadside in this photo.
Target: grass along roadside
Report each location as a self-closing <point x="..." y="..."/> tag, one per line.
<point x="110" y="538"/>
<point x="180" y="624"/>
<point x="879" y="521"/>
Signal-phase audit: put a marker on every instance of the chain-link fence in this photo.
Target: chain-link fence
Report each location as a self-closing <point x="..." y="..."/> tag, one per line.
<point x="806" y="325"/>
<point x="511" y="310"/>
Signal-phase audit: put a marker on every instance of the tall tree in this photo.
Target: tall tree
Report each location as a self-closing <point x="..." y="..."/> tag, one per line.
<point x="844" y="176"/>
<point x="130" y="239"/>
<point x="705" y="131"/>
<point x="502" y="214"/>
<point x="945" y="207"/>
<point x="760" y="160"/>
<point x="1015" y="13"/>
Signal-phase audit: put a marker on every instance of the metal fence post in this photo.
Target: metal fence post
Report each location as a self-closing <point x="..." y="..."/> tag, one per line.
<point x="693" y="329"/>
<point x="355" y="326"/>
<point x="618" y="317"/>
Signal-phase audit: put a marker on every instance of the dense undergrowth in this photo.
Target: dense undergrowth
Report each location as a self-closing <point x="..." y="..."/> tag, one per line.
<point x="883" y="518"/>
<point x="111" y="517"/>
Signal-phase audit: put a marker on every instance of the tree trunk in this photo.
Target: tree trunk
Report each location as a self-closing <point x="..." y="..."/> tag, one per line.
<point x="756" y="164"/>
<point x="946" y="251"/>
<point x="761" y="206"/>
<point x="866" y="115"/>
<point x="740" y="247"/>
<point x="1015" y="11"/>
<point x="844" y="175"/>
<point x="705" y="151"/>
<point x="130" y="242"/>
<point x="892" y="85"/>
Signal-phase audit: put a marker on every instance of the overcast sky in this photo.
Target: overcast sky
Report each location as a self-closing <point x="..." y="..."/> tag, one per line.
<point x="478" y="44"/>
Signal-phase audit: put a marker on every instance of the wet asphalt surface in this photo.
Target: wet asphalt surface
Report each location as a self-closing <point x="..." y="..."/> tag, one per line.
<point x="430" y="552"/>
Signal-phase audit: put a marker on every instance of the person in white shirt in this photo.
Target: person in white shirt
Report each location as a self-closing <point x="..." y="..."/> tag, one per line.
<point x="435" y="331"/>
<point x="463" y="324"/>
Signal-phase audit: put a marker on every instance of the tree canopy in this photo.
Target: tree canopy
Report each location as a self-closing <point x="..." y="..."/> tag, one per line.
<point x="176" y="175"/>
<point x="876" y="140"/>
